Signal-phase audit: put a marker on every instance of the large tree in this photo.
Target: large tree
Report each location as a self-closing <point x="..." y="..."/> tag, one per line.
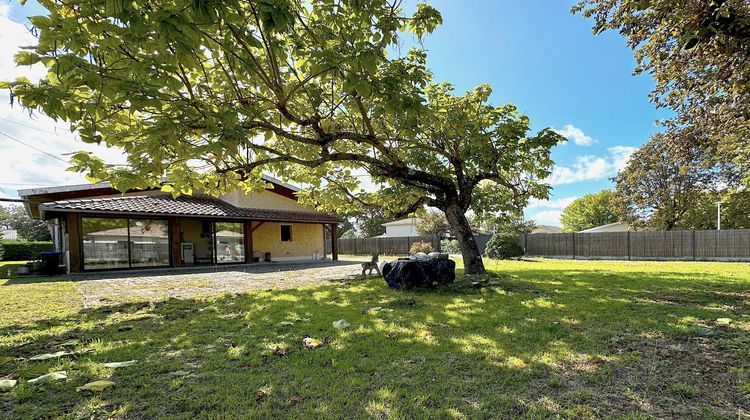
<point x="589" y="211"/>
<point x="28" y="229"/>
<point x="208" y="93"/>
<point x="698" y="53"/>
<point x="661" y="183"/>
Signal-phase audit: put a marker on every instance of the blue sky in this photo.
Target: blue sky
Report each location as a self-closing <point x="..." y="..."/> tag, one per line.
<point x="534" y="53"/>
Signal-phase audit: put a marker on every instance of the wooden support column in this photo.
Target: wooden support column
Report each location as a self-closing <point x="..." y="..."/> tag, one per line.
<point x="174" y="241"/>
<point x="249" y="241"/>
<point x="74" y="243"/>
<point x="334" y="241"/>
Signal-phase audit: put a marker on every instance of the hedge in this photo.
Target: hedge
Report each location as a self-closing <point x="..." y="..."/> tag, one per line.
<point x="24" y="251"/>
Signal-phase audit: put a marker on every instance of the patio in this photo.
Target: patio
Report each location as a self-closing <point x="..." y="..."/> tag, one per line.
<point x="189" y="282"/>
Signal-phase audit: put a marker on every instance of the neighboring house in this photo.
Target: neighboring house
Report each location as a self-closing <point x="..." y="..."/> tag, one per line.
<point x="98" y="228"/>
<point x="401" y="228"/>
<point x="611" y="227"/>
<point x="8" y="234"/>
<point x="546" y="229"/>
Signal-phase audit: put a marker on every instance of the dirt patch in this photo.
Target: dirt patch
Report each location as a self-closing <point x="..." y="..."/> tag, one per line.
<point x="159" y="286"/>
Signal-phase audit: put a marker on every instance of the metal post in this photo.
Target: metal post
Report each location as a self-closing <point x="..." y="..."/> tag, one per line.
<point x="718" y="215"/>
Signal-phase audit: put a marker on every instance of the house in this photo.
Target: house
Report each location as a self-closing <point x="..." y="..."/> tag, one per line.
<point x="611" y="227"/>
<point x="546" y="229"/>
<point x="99" y="228"/>
<point x="8" y="234"/>
<point x="401" y="228"/>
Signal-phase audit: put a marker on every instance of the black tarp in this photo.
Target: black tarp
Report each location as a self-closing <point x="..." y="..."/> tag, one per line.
<point x="409" y="274"/>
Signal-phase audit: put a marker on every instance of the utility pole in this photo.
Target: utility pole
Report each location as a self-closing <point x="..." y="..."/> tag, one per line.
<point x="718" y="215"/>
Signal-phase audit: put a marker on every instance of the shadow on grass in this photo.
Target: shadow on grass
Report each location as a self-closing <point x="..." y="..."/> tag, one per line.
<point x="256" y="268"/>
<point x="540" y="343"/>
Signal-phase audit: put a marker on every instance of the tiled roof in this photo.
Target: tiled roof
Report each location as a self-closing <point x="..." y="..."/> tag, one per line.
<point x="196" y="206"/>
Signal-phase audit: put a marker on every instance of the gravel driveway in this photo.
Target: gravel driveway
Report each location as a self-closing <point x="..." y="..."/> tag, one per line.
<point x="155" y="285"/>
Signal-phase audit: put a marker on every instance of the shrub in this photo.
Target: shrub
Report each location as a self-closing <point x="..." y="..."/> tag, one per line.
<point x="450" y="246"/>
<point x="425" y="247"/>
<point x="24" y="251"/>
<point x="2" y="252"/>
<point x="504" y="246"/>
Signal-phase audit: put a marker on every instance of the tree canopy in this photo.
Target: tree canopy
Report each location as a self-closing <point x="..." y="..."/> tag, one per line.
<point x="208" y="94"/>
<point x="698" y="53"/>
<point x="28" y="229"/>
<point x="662" y="182"/>
<point x="588" y="211"/>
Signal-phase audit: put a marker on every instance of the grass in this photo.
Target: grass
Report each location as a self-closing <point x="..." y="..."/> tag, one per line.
<point x="545" y="338"/>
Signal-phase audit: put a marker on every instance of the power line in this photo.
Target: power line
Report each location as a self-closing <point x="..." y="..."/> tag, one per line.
<point x="35" y="148"/>
<point x="40" y="129"/>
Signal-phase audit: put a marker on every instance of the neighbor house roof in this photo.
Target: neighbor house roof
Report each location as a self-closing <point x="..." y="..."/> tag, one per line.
<point x="546" y="229"/>
<point x="610" y="227"/>
<point x="407" y="221"/>
<point x="165" y="205"/>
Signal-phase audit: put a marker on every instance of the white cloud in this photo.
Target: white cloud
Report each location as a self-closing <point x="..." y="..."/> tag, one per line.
<point x="547" y="217"/>
<point x="575" y="134"/>
<point x="559" y="203"/>
<point x="23" y="166"/>
<point x="588" y="168"/>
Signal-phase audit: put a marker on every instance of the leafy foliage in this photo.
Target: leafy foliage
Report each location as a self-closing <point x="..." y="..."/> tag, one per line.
<point x="697" y="53"/>
<point x="418" y="246"/>
<point x="28" y="229"/>
<point x="589" y="211"/>
<point x="23" y="251"/>
<point x="209" y="94"/>
<point x="661" y="183"/>
<point x="735" y="211"/>
<point x="369" y="222"/>
<point x="450" y="246"/>
<point x="503" y="246"/>
<point x="433" y="223"/>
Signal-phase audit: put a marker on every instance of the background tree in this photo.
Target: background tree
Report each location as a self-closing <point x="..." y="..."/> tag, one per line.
<point x="432" y="222"/>
<point x="661" y="183"/>
<point x="589" y="211"/>
<point x="698" y="54"/>
<point x="28" y="229"/>
<point x="209" y="94"/>
<point x="735" y="211"/>
<point x="369" y="222"/>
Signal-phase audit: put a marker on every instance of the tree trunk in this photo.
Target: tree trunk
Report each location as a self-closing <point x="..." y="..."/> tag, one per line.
<point x="469" y="250"/>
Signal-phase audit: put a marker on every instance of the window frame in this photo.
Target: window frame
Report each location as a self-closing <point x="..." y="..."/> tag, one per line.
<point x="82" y="253"/>
<point x="281" y="232"/>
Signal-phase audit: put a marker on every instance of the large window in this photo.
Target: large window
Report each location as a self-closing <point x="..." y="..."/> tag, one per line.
<point x="123" y="243"/>
<point x="230" y="242"/>
<point x="149" y="243"/>
<point x="105" y="243"/>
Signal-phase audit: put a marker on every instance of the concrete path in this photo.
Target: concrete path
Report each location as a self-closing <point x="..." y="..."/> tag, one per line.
<point x="156" y="285"/>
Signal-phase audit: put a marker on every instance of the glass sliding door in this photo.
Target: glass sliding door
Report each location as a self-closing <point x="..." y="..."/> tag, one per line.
<point x="105" y="243"/>
<point x="110" y="244"/>
<point x="149" y="243"/>
<point x="229" y="239"/>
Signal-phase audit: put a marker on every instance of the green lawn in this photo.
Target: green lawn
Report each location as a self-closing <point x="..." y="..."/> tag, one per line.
<point x="568" y="338"/>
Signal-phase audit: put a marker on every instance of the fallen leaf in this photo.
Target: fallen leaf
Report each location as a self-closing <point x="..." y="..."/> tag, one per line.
<point x="311" y="343"/>
<point x="120" y="364"/>
<point x="7" y="384"/>
<point x="49" y="377"/>
<point x="725" y="322"/>
<point x="96" y="386"/>
<point x="47" y="356"/>
<point x="296" y="399"/>
<point x="70" y="343"/>
<point x="282" y="350"/>
<point x="341" y="324"/>
<point x="286" y="323"/>
<point x="180" y="373"/>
